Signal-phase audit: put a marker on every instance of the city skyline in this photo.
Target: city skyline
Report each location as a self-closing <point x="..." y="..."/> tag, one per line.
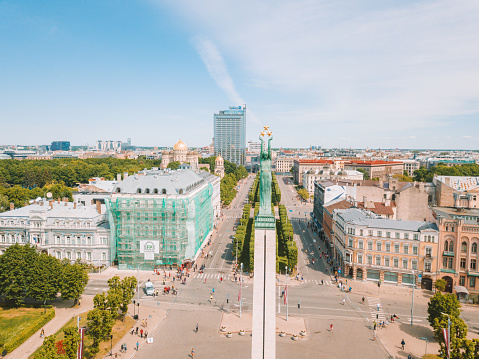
<point x="325" y="74"/>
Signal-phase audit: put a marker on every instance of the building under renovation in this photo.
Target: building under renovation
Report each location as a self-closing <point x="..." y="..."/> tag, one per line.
<point x="162" y="217"/>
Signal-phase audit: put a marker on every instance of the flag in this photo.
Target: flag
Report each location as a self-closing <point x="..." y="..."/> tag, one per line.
<point x="81" y="331"/>
<point x="445" y="333"/>
<point x="239" y="294"/>
<point x="285" y="296"/>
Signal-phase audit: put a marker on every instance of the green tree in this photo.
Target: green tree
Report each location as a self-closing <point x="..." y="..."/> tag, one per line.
<point x="124" y="291"/>
<point x="100" y="324"/>
<point x="48" y="350"/>
<point x="440" y="285"/>
<point x="173" y="165"/>
<point x="364" y="172"/>
<point x="4" y="203"/>
<point x="45" y="278"/>
<point x="74" y="280"/>
<point x="303" y="193"/>
<point x="70" y="342"/>
<point x="420" y="174"/>
<point x="15" y="272"/>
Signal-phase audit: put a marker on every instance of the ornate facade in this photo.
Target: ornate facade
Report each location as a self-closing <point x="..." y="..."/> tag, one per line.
<point x="180" y="154"/>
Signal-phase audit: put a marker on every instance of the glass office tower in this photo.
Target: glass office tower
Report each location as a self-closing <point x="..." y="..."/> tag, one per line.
<point x="230" y="134"/>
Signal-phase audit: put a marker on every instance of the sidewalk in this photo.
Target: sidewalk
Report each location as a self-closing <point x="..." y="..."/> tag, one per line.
<point x="63" y="313"/>
<point x="233" y="323"/>
<point x="150" y="312"/>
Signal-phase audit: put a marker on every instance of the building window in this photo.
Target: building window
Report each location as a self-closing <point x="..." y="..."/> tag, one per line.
<point x="474" y="248"/>
<point x="380" y="234"/>
<point x="395" y="262"/>
<point x="386" y="261"/>
<point x="464" y="247"/>
<point x="78" y="255"/>
<point x="360" y="232"/>
<point x="360" y="244"/>
<point x="429" y="251"/>
<point x="88" y="256"/>
<point x="378" y="260"/>
<point x="472" y="282"/>
<point x="388" y="234"/>
<point x="415" y="237"/>
<point x="360" y="258"/>
<point x="446" y="245"/>
<point x="414" y="250"/>
<point x="462" y="280"/>
<point x="69" y="255"/>
<point x="463" y="263"/>
<point x="427" y="267"/>
<point x="413" y="264"/>
<point x="378" y="246"/>
<point x="103" y="256"/>
<point x="404" y="263"/>
<point x="406" y="235"/>
<point x="398" y="235"/>
<point x="138" y="190"/>
<point x="388" y="247"/>
<point x="449" y="263"/>
<point x="473" y="264"/>
<point x="396" y="248"/>
<point x="370" y="233"/>
<point x="451" y="246"/>
<point x="350" y="242"/>
<point x="370" y="259"/>
<point x="370" y="246"/>
<point x="406" y="249"/>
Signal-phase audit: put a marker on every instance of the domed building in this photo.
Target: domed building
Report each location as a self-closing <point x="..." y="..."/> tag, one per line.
<point x="220" y="166"/>
<point x="179" y="154"/>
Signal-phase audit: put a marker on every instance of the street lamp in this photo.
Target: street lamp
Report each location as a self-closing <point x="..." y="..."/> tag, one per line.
<point x="448" y="339"/>
<point x="413" y="285"/>
<point x="111" y="344"/>
<point x="425" y="353"/>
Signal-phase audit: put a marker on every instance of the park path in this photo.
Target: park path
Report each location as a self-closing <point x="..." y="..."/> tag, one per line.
<point x="63" y="313"/>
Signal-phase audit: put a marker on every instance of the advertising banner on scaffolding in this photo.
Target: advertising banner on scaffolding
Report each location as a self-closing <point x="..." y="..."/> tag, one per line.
<point x="149" y="248"/>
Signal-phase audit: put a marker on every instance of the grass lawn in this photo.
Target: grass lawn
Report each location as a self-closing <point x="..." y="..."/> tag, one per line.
<point x="18" y="324"/>
<point x="431" y="356"/>
<point x="119" y="330"/>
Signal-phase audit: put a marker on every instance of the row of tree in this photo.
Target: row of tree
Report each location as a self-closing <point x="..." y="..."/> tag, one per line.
<point x="275" y="191"/>
<point x="19" y="196"/>
<point x="427" y="175"/>
<point x="287" y="249"/>
<point x="38" y="173"/>
<point x="27" y="273"/>
<point x="66" y="349"/>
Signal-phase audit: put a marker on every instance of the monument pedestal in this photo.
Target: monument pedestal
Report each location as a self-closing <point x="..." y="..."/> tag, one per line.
<point x="264" y="290"/>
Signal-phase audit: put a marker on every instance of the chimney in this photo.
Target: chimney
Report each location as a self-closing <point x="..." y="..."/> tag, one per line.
<point x="118" y="177"/>
<point x="58" y="200"/>
<point x="98" y="207"/>
<point x="65" y="199"/>
<point x="41" y="203"/>
<point x="66" y="204"/>
<point x="51" y="204"/>
<point x="12" y="206"/>
<point x="125" y="175"/>
<point x="92" y="202"/>
<point x="74" y="205"/>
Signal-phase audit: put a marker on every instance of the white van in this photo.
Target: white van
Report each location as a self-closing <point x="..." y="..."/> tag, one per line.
<point x="149" y="288"/>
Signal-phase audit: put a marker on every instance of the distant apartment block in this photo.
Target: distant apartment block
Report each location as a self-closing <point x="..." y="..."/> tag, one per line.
<point x="230" y="134"/>
<point x="60" y="146"/>
<point x="410" y="166"/>
<point x="376" y="169"/>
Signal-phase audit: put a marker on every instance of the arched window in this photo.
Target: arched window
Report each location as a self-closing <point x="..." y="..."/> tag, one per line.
<point x="147" y="191"/>
<point x="163" y="191"/>
<point x="118" y="190"/>
<point x="464" y="247"/>
<point x="138" y="190"/>
<point x="155" y="191"/>
<point x="446" y="246"/>
<point x="474" y="248"/>
<point x="360" y="232"/>
<point x="451" y="246"/>
<point x="180" y="191"/>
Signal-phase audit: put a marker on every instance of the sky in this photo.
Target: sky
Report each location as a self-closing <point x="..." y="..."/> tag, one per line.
<point x="359" y="74"/>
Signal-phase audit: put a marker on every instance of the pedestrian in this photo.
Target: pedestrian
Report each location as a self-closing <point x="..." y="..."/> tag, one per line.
<point x="378" y="306"/>
<point x="132" y="331"/>
<point x="403" y="343"/>
<point x="192" y="352"/>
<point x="146" y="334"/>
<point x="136" y="332"/>
<point x="363" y="300"/>
<point x="213" y="290"/>
<point x="211" y="298"/>
<point x="331" y="328"/>
<point x="221" y="279"/>
<point x="344" y="300"/>
<point x="205" y="280"/>
<point x="196" y="328"/>
<point x="374" y="325"/>
<point x="42" y="333"/>
<point x="141" y="333"/>
<point x="143" y="322"/>
<point x="137" y="345"/>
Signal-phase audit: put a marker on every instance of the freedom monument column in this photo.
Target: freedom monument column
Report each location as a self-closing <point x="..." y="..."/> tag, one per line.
<point x="264" y="300"/>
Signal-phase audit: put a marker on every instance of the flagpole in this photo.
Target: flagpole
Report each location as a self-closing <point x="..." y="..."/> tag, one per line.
<point x="241" y="286"/>
<point x="286" y="294"/>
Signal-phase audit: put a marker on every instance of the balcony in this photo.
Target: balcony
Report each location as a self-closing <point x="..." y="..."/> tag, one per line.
<point x="448" y="254"/>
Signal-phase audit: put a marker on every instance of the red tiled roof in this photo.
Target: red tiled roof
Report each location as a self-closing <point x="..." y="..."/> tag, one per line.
<point x="374" y="163"/>
<point x="379" y="208"/>
<point x="338" y="205"/>
<point x="305" y="161"/>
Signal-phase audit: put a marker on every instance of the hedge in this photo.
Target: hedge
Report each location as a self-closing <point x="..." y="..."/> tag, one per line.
<point x="32" y="329"/>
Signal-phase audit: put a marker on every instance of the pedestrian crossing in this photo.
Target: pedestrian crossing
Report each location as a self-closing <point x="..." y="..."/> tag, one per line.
<point x="230" y="277"/>
<point x="376" y="309"/>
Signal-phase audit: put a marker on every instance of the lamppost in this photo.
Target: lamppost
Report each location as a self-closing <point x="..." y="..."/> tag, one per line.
<point x="425" y="353"/>
<point x="241" y="287"/>
<point x="111" y="344"/>
<point x="412" y="301"/>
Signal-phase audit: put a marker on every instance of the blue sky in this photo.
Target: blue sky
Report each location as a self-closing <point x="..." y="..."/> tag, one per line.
<point x="332" y="73"/>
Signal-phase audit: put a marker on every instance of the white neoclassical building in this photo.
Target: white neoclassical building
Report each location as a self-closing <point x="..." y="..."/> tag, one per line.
<point x="61" y="229"/>
<point x="180" y="154"/>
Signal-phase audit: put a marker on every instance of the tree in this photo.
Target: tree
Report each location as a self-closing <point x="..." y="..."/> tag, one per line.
<point x="48" y="350"/>
<point x="15" y="272"/>
<point x="4" y="203"/>
<point x="70" y="342"/>
<point x="100" y="324"/>
<point x="173" y="165"/>
<point x="440" y="285"/>
<point x="45" y="278"/>
<point x="303" y="193"/>
<point x="124" y="290"/>
<point x="74" y="280"/>
<point x="364" y="172"/>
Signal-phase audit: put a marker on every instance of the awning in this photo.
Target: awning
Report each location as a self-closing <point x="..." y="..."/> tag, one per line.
<point x="461" y="289"/>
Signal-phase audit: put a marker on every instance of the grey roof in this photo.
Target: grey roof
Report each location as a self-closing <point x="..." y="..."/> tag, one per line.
<point x="368" y="219"/>
<point x="451" y="213"/>
<point x="59" y="210"/>
<point x="170" y="181"/>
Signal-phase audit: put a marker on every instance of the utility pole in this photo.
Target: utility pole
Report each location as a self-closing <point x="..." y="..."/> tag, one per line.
<point x="241" y="287"/>
<point x="286" y="294"/>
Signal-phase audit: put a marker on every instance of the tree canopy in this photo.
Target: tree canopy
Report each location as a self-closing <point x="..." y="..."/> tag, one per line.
<point x="427" y="175"/>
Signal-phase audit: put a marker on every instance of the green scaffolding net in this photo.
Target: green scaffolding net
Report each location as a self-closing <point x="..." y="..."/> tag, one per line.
<point x="153" y="231"/>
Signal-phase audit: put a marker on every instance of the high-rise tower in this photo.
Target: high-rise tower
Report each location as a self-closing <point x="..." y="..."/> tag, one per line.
<point x="230" y="134"/>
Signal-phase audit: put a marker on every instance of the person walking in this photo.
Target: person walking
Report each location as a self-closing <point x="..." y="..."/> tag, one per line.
<point x="363" y="300"/>
<point x="146" y="323"/>
<point x="211" y="298"/>
<point x="137" y="345"/>
<point x="403" y="343"/>
<point x="374" y="325"/>
<point x="331" y="328"/>
<point x="378" y="307"/>
<point x="344" y="300"/>
<point x="196" y="328"/>
<point x="192" y="352"/>
<point x="141" y="333"/>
